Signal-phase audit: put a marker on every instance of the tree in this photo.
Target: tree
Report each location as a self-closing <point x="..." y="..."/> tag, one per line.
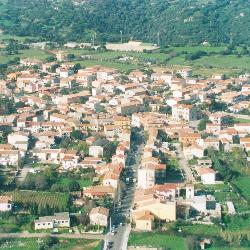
<point x="48" y="243"/>
<point x="73" y="22"/>
<point x="109" y="150"/>
<point x="46" y="98"/>
<point x="84" y="219"/>
<point x="84" y="147"/>
<point x="163" y="136"/>
<point x="70" y="57"/>
<point x="50" y="59"/>
<point x="20" y="105"/>
<point x="76" y="67"/>
<point x="7" y="106"/>
<point x="12" y="48"/>
<point x="195" y="55"/>
<point x="99" y="108"/>
<point x="74" y="186"/>
<point x="228" y="120"/>
<point x="41" y="182"/>
<point x="76" y="135"/>
<point x="57" y="188"/>
<point x="83" y="99"/>
<point x="202" y="124"/>
<point x="106" y="202"/>
<point x="165" y="110"/>
<point x="217" y="106"/>
<point x="29" y="182"/>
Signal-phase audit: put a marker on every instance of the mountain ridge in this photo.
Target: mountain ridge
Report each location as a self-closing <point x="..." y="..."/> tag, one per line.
<point x="178" y="22"/>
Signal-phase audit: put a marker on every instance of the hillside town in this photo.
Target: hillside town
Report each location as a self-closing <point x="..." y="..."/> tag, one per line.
<point x="132" y="152"/>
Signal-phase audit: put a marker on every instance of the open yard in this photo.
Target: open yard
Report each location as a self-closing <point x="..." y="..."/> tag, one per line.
<point x="151" y="239"/>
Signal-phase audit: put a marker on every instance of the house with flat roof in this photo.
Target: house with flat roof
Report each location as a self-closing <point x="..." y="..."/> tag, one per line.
<point x="54" y="221"/>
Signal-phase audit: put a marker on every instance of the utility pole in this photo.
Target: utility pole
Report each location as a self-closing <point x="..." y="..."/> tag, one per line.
<point x="158" y="38"/>
<point x="121" y="35"/>
<point x="231" y="38"/>
<point x="93" y="39"/>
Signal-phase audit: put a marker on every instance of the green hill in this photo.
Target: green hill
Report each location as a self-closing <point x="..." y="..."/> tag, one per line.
<point x="177" y="21"/>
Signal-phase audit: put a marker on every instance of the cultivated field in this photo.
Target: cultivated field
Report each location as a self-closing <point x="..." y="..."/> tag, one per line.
<point x="42" y="199"/>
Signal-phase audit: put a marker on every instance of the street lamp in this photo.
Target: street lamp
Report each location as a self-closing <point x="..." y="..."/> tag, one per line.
<point x="121" y="35"/>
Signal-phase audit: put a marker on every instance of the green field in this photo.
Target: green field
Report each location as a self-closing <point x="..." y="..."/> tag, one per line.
<point x="242" y="184"/>
<point x="16" y="223"/>
<point x="153" y="239"/>
<point x="228" y="248"/>
<point x="172" y="57"/>
<point x="82" y="182"/>
<point x="119" y="66"/>
<point x="238" y="224"/>
<point x="200" y="229"/>
<point x="240" y="120"/>
<point x="30" y="53"/>
<point x="224" y="61"/>
<point x="64" y="244"/>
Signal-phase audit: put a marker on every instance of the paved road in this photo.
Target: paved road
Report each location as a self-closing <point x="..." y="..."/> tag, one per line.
<point x="122" y="209"/>
<point x="44" y="235"/>
<point x="120" y="239"/>
<point x="184" y="165"/>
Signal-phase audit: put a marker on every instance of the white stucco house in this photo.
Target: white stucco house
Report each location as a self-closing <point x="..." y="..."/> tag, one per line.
<point x="99" y="216"/>
<point x="207" y="175"/>
<point x="5" y="203"/>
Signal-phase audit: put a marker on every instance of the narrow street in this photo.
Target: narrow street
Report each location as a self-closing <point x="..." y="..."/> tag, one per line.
<point x="188" y="175"/>
<point x="121" y="213"/>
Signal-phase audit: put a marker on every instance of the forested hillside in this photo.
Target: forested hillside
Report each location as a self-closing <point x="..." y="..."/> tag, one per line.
<point x="177" y="21"/>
